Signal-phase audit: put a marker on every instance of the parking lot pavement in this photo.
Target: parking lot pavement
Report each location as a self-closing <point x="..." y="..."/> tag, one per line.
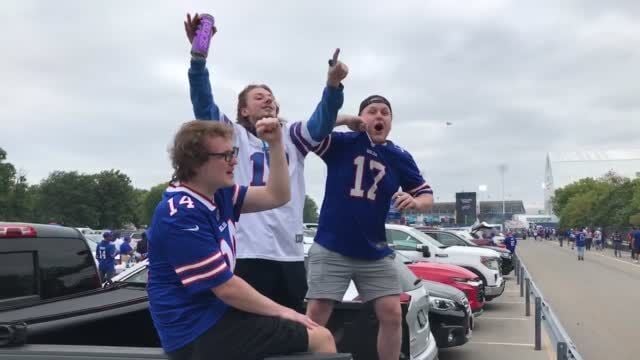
<point x="596" y="299"/>
<point x="502" y="332"/>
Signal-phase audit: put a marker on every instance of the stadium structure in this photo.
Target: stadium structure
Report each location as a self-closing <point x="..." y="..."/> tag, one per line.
<point x="567" y="167"/>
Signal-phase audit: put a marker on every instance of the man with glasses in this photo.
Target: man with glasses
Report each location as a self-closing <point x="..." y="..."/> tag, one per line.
<point x="200" y="309"/>
<point x="270" y="243"/>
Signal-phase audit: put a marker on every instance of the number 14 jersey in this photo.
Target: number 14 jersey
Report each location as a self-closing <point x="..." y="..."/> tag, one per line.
<point x="361" y="179"/>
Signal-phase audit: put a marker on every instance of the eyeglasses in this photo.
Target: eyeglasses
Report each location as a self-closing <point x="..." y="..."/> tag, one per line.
<point x="228" y="155"/>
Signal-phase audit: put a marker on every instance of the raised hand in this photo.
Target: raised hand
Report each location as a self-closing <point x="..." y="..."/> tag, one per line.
<point x="337" y="70"/>
<point x="191" y="26"/>
<point x="269" y="130"/>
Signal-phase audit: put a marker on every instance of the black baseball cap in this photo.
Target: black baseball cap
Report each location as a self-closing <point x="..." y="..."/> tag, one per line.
<point x="373" y="99"/>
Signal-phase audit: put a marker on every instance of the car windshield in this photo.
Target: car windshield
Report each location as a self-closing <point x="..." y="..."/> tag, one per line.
<point x="424" y="237"/>
<point x="140" y="277"/>
<point x="465" y="236"/>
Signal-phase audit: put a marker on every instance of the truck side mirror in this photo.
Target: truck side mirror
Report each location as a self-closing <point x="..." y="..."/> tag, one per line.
<point x="424" y="249"/>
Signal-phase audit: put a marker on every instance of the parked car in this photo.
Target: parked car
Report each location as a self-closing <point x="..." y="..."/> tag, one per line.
<point x="463" y="238"/>
<point x="453" y="275"/>
<point x="450" y="315"/>
<point x="419" y="246"/>
<point x="40" y="262"/>
<point x="115" y="322"/>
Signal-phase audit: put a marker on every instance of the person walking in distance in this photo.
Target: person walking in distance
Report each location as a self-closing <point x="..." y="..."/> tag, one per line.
<point x="617" y="244"/>
<point x="106" y="256"/>
<point x="635" y="240"/>
<point x="581" y="242"/>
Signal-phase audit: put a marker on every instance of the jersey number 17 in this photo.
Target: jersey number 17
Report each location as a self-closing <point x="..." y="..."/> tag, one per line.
<point x="357" y="190"/>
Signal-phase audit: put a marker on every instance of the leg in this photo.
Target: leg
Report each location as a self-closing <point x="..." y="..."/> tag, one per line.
<point x="319" y="310"/>
<point x="242" y="335"/>
<point x="321" y="340"/>
<point x="389" y="316"/>
<point x="329" y="276"/>
<point x="377" y="281"/>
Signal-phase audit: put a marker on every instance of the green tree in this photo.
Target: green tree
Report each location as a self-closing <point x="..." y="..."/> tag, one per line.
<point x="68" y="198"/>
<point x="7" y="179"/>
<point x="138" y="215"/>
<point x="114" y="199"/>
<point x="563" y="195"/>
<point x="634" y="219"/>
<point x="310" y="213"/>
<point x="20" y="203"/>
<point x="578" y="210"/>
<point x="151" y="200"/>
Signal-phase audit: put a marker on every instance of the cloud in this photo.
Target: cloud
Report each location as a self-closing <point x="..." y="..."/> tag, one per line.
<point x="103" y="85"/>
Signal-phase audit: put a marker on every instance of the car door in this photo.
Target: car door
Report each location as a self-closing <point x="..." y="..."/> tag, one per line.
<point x="404" y="243"/>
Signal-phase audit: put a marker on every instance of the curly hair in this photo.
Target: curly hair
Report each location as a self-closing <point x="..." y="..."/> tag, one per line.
<point x="189" y="151"/>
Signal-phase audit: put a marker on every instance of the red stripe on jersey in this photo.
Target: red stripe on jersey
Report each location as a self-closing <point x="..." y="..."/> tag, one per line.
<point x="206" y="275"/>
<point x="199" y="264"/>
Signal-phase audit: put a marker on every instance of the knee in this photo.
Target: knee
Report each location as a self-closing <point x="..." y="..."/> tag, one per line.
<point x="321" y="340"/>
<point x="319" y="310"/>
<point x="390" y="314"/>
<point x="317" y="307"/>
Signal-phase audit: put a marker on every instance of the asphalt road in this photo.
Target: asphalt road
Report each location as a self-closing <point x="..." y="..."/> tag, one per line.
<point x="502" y="332"/>
<point x="597" y="300"/>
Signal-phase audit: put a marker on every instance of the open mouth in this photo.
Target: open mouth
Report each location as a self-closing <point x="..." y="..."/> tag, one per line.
<point x="378" y="127"/>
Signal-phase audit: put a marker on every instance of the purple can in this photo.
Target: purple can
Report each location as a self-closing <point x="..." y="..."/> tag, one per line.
<point x="200" y="44"/>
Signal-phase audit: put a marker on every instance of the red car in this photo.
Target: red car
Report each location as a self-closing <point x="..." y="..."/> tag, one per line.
<point x="453" y="275"/>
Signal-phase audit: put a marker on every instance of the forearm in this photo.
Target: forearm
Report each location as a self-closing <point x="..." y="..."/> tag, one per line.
<point x="323" y="119"/>
<point x="341" y="120"/>
<point x="424" y="202"/>
<point x="278" y="186"/>
<point x="204" y="107"/>
<point x="240" y="295"/>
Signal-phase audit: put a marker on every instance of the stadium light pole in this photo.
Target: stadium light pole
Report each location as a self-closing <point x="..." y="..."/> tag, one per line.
<point x="482" y="189"/>
<point x="503" y="168"/>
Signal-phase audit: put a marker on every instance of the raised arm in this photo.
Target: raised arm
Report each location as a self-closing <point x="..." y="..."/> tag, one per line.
<point x="277" y="191"/>
<point x="204" y="106"/>
<point x="324" y="117"/>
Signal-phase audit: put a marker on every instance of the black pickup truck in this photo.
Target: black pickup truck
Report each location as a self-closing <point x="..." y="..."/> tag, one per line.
<point x="114" y="323"/>
<point x="40" y="262"/>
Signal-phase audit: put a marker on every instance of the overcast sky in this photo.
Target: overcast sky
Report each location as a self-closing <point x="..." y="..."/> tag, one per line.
<point x="92" y="85"/>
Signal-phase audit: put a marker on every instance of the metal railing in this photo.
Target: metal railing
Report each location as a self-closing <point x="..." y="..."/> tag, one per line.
<point x="565" y="348"/>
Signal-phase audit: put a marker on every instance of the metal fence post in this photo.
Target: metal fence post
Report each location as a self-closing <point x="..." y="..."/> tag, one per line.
<point x="527" y="303"/>
<point x="517" y="269"/>
<point x="521" y="283"/>
<point x="538" y="323"/>
<point x="561" y="351"/>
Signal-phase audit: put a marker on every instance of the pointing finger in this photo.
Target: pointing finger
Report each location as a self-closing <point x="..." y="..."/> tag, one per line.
<point x="335" y="56"/>
<point x="334" y="59"/>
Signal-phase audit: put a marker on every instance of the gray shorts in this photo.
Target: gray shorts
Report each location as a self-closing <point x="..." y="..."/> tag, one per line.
<point x="330" y="273"/>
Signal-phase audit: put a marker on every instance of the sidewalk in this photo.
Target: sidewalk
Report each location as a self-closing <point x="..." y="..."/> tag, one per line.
<point x="503" y="332"/>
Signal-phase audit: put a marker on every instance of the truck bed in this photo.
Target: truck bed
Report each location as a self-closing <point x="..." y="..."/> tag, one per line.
<point x="115" y="323"/>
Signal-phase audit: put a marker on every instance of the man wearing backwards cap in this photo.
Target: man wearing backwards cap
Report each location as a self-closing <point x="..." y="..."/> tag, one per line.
<point x="364" y="172"/>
